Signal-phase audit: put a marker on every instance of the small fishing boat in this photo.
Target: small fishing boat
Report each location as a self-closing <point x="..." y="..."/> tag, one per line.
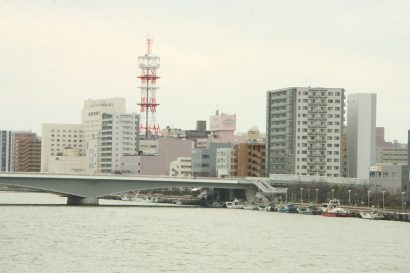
<point x="307" y="211"/>
<point x="289" y="208"/>
<point x="235" y="204"/>
<point x="372" y="215"/>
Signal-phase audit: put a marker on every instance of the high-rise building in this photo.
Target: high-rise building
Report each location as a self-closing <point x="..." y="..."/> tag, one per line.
<point x="119" y="137"/>
<point x="25" y="152"/>
<point x="361" y="134"/>
<point x="5" y="150"/>
<point x="91" y="120"/>
<point x="304" y="131"/>
<point x="57" y="137"/>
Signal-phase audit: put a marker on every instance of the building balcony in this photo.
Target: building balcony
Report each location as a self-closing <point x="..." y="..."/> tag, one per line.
<point x="316" y="147"/>
<point x="316" y="140"/>
<point x="316" y="155"/>
<point x="317" y="125"/>
<point x="316" y="163"/>
<point x="316" y="111"/>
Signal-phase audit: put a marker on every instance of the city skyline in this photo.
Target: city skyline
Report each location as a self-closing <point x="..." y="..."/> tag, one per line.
<point x="55" y="55"/>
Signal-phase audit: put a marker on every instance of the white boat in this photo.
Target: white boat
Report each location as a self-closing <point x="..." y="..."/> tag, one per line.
<point x="333" y="209"/>
<point x="235" y="204"/>
<point x="372" y="215"/>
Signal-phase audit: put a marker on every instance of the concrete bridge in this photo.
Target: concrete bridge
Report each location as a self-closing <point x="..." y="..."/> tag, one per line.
<point x="86" y="189"/>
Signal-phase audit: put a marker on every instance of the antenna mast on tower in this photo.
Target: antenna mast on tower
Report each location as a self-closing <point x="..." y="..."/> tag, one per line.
<point x="148" y="103"/>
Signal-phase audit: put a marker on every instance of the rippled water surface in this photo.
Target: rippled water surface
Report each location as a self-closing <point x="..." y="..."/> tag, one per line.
<point x="52" y="237"/>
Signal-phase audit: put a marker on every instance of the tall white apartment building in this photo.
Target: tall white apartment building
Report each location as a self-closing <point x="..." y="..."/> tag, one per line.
<point x="304" y="131"/>
<point x="119" y="137"/>
<point x="91" y="119"/>
<point x="5" y="150"/>
<point x="56" y="137"/>
<point x="361" y="134"/>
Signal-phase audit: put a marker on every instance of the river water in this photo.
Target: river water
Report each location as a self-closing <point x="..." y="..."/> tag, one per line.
<point x="38" y="233"/>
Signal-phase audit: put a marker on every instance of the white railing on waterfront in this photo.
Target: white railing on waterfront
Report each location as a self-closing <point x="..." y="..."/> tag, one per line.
<point x="291" y="178"/>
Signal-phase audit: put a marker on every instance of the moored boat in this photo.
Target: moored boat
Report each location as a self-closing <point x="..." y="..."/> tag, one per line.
<point x="333" y="209"/>
<point x="289" y="208"/>
<point x="372" y="215"/>
<point x="307" y="211"/>
<point x="267" y="207"/>
<point x="235" y="204"/>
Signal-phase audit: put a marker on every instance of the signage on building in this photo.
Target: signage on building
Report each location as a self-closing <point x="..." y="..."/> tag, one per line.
<point x="376" y="168"/>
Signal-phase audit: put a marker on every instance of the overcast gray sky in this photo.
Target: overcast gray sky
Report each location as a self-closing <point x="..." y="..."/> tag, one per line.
<point x="214" y="54"/>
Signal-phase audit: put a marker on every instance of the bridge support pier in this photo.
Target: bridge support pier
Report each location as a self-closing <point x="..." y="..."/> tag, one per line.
<point x="73" y="200"/>
<point x="250" y="194"/>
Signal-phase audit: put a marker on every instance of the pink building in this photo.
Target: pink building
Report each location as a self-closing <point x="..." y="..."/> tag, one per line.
<point x="168" y="150"/>
<point x="223" y="126"/>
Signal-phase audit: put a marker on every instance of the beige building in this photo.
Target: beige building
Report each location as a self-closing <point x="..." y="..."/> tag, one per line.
<point x="395" y="154"/>
<point x="91" y="119"/>
<point x="390" y="152"/>
<point x="57" y="137"/>
<point x="68" y="162"/>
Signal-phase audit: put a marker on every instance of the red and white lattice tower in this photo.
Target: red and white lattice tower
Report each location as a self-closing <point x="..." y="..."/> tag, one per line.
<point x="148" y="65"/>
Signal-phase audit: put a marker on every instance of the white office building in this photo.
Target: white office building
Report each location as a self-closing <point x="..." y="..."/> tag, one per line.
<point x="361" y="134"/>
<point x="91" y="119"/>
<point x="119" y="137"/>
<point x="57" y="137"/>
<point x="223" y="162"/>
<point x="181" y="167"/>
<point x="304" y="131"/>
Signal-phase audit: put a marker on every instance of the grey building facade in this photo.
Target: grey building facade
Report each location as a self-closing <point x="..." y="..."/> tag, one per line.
<point x="5" y="150"/>
<point x="204" y="160"/>
<point x="390" y="177"/>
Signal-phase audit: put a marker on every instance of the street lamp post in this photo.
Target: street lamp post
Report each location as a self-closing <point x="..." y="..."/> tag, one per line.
<point x="301" y="195"/>
<point x="333" y="190"/>
<point x="368" y="198"/>
<point x="316" y="195"/>
<point x="402" y="200"/>
<point x="349" y="196"/>
<point x="383" y="198"/>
